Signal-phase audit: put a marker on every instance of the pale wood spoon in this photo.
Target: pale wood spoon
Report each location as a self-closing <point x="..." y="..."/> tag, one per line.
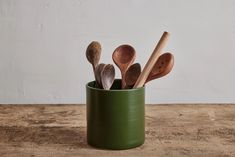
<point x="93" y="53"/>
<point x="99" y="68"/>
<point x="162" y="67"/>
<point x="123" y="56"/>
<point x="132" y="74"/>
<point x="107" y="76"/>
<point x="152" y="60"/>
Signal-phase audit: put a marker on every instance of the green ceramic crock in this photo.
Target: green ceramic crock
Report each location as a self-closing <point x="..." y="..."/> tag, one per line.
<point x="115" y="118"/>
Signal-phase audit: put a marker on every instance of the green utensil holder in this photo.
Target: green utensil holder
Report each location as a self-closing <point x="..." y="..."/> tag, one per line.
<point x="115" y="117"/>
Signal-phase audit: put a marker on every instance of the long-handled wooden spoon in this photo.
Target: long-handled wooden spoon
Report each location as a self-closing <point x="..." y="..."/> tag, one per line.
<point x="162" y="67"/>
<point x="152" y="60"/>
<point x="93" y="52"/>
<point x="132" y="75"/>
<point x="107" y="76"/>
<point x="123" y="56"/>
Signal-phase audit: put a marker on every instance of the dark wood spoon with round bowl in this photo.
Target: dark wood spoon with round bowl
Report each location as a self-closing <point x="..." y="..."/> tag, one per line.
<point x="123" y="56"/>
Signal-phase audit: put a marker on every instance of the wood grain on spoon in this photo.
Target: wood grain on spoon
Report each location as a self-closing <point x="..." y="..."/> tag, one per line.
<point x="162" y="67"/>
<point x="123" y="56"/>
<point x="152" y="60"/>
<point x="99" y="68"/>
<point x="132" y="75"/>
<point x="107" y="76"/>
<point x="93" y="53"/>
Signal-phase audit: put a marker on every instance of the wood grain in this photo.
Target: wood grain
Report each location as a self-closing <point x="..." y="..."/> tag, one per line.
<point x="171" y="131"/>
<point x="152" y="60"/>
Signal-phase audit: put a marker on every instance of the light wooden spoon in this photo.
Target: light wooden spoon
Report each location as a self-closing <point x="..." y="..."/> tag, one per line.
<point x="123" y="56"/>
<point x="152" y="60"/>
<point x="107" y="76"/>
<point x="162" y="67"/>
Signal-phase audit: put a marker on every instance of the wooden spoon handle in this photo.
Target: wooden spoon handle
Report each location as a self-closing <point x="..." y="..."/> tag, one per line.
<point x="153" y="58"/>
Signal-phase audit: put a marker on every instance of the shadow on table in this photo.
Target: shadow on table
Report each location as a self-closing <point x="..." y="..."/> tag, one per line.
<point x="71" y="136"/>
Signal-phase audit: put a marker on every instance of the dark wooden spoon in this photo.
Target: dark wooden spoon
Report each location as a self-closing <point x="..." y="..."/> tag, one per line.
<point x="132" y="74"/>
<point x="123" y="56"/>
<point x="107" y="76"/>
<point x="99" y="68"/>
<point x="93" y="53"/>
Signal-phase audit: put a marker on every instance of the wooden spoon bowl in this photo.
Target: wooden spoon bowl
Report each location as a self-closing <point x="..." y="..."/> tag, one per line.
<point x="107" y="76"/>
<point x="93" y="53"/>
<point x="132" y="75"/>
<point x="162" y="67"/>
<point x="123" y="56"/>
<point x="99" y="68"/>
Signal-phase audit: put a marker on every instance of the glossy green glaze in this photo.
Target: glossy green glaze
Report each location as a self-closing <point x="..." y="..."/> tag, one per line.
<point x="115" y="118"/>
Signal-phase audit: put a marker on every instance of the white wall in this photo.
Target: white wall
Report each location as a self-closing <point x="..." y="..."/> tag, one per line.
<point x="43" y="42"/>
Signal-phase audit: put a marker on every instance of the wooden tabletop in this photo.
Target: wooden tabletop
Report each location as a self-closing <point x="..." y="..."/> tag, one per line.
<point x="195" y="130"/>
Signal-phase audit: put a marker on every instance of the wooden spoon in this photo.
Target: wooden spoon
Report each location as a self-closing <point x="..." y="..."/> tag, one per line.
<point x="162" y="67"/>
<point x="132" y="75"/>
<point x="123" y="56"/>
<point x="93" y="52"/>
<point x="152" y="60"/>
<point x="99" y="68"/>
<point x="107" y="76"/>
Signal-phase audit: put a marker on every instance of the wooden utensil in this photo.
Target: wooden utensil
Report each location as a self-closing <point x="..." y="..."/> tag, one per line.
<point x="99" y="68"/>
<point x="132" y="75"/>
<point x="123" y="56"/>
<point x="107" y="76"/>
<point x="93" y="52"/>
<point x="152" y="60"/>
<point x="162" y="67"/>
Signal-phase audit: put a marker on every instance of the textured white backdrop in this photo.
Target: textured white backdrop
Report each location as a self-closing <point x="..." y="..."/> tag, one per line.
<point x="42" y="47"/>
